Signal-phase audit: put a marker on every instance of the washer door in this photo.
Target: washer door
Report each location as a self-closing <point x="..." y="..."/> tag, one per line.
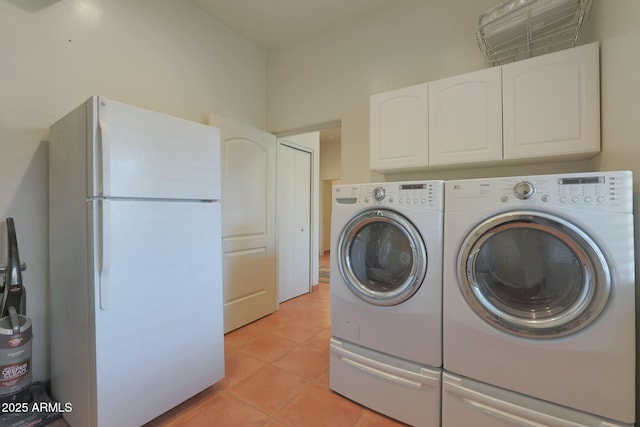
<point x="533" y="274"/>
<point x="382" y="257"/>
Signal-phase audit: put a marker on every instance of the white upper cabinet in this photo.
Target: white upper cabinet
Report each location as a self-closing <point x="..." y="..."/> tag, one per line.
<point x="465" y="118"/>
<point x="398" y="129"/>
<point x="542" y="108"/>
<point x="551" y="105"/>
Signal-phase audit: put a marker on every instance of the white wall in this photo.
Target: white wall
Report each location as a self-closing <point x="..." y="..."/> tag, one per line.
<point x="163" y="55"/>
<point x="330" y="160"/>
<point x="413" y="41"/>
<point x="617" y="27"/>
<point x="618" y="31"/>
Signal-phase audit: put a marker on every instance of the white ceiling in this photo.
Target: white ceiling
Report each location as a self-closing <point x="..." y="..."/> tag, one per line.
<point x="276" y="23"/>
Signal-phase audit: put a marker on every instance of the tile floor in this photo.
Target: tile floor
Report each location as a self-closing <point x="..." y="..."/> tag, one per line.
<point x="277" y="374"/>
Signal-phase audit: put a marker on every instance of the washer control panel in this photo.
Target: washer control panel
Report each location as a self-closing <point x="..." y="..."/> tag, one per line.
<point x="610" y="191"/>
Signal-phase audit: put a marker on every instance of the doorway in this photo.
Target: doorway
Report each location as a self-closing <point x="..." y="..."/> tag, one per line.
<point x="324" y="141"/>
<point x="330" y="173"/>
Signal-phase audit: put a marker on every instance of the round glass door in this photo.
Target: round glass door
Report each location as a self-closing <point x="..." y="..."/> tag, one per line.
<point x="533" y="275"/>
<point x="382" y="257"/>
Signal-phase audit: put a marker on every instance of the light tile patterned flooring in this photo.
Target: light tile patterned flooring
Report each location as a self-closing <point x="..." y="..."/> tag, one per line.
<point x="277" y="374"/>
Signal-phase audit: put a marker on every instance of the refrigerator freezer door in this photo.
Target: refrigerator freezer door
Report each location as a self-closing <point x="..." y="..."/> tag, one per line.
<point x="139" y="153"/>
<point x="159" y="334"/>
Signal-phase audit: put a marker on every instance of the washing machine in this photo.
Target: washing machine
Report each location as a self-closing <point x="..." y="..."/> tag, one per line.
<point x="538" y="289"/>
<point x="386" y="297"/>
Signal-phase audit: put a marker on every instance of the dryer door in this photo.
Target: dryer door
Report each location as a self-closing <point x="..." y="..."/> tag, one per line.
<point x="533" y="274"/>
<point x="382" y="257"/>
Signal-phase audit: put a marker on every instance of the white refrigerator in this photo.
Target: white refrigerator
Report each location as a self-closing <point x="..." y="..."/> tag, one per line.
<point x="135" y="263"/>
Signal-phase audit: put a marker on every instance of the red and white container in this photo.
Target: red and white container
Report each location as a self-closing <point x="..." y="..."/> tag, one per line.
<point x="15" y="357"/>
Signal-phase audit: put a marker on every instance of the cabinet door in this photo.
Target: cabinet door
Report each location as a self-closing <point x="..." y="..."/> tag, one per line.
<point x="552" y="105"/>
<point x="465" y="118"/>
<point x="399" y="123"/>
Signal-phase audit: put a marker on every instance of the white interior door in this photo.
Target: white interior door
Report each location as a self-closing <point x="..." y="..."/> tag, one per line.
<point x="310" y="143"/>
<point x="294" y="222"/>
<point x="248" y="222"/>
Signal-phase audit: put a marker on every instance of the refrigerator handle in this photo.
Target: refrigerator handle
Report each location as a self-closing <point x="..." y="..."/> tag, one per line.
<point x="103" y="165"/>
<point x="104" y="260"/>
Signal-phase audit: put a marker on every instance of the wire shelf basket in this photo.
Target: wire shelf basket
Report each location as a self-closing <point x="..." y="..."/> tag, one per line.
<point x="518" y="29"/>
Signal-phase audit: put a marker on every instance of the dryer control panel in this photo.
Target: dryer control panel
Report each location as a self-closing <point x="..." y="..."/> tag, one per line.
<point x="598" y="191"/>
<point x="423" y="195"/>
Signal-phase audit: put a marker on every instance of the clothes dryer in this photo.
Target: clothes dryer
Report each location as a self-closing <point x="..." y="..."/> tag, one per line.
<point x="538" y="288"/>
<point x="386" y="297"/>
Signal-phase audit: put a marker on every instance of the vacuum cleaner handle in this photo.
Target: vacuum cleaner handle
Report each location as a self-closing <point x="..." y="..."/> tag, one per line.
<point x="13" y="289"/>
